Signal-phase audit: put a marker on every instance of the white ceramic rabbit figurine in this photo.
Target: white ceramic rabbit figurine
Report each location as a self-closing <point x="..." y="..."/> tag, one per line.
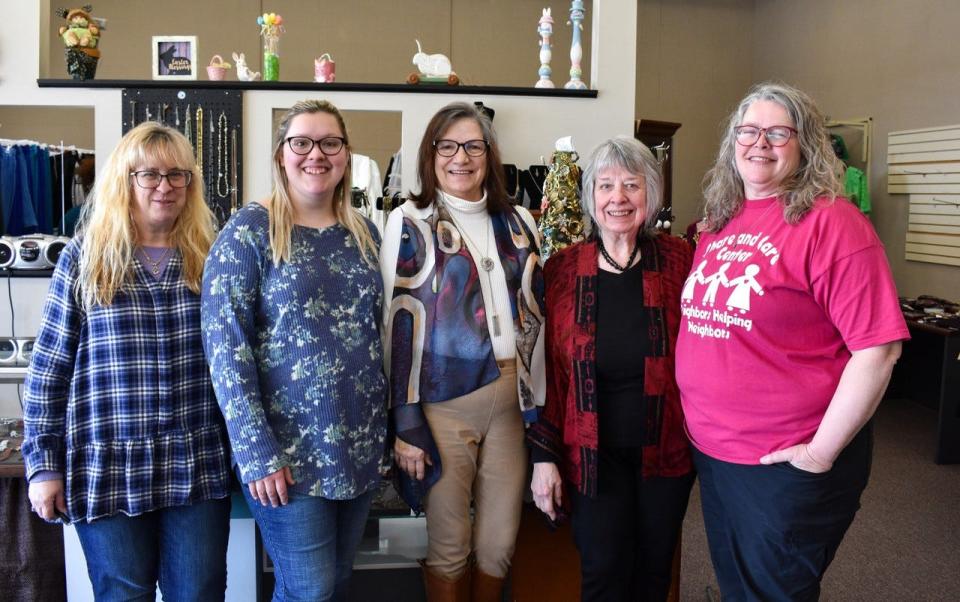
<point x="243" y="72"/>
<point x="432" y="65"/>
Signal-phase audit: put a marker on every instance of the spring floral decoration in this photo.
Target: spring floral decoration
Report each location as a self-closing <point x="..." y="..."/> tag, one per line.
<point x="271" y="26"/>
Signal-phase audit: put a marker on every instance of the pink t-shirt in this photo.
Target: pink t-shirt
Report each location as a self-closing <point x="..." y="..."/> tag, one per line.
<point x="770" y="314"/>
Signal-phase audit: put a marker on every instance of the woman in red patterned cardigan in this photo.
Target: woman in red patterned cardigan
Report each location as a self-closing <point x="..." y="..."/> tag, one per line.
<point x="612" y="424"/>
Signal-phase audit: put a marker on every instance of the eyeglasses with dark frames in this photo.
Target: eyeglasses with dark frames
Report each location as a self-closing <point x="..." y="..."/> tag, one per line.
<point x="776" y="135"/>
<point x="449" y="148"/>
<point x="302" y="145"/>
<point x="148" y="178"/>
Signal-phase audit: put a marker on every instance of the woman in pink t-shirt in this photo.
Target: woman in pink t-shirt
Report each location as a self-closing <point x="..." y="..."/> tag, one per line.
<point x="790" y="331"/>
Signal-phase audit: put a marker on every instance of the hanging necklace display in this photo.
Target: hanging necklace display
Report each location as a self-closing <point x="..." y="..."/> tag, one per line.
<point x="188" y="128"/>
<point x="233" y="172"/>
<point x="154" y="263"/>
<point x="199" y="145"/>
<point x="606" y="256"/>
<point x="222" y="166"/>
<point x="486" y="263"/>
<point x="176" y="115"/>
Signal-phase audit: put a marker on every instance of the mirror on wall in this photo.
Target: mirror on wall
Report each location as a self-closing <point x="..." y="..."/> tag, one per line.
<point x="51" y="151"/>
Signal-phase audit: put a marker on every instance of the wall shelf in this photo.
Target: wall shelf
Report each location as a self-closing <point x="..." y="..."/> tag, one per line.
<point x="317" y="87"/>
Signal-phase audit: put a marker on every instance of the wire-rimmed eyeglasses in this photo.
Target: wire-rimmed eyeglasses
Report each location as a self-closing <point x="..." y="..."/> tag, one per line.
<point x="449" y="148"/>
<point x="301" y="145"/>
<point x="148" y="178"/>
<point x="776" y="135"/>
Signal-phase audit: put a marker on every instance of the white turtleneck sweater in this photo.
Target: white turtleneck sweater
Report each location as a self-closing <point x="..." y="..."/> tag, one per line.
<point x="473" y="220"/>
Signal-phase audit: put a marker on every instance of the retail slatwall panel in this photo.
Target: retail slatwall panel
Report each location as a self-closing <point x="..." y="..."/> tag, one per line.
<point x="925" y="164"/>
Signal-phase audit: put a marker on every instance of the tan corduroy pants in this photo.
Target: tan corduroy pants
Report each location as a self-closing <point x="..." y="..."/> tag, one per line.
<point x="480" y="438"/>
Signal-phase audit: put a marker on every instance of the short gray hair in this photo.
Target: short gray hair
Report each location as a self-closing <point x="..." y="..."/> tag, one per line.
<point x="632" y="156"/>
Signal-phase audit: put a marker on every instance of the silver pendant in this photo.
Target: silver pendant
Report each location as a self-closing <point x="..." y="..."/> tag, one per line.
<point x="496" y="326"/>
<point x="487" y="264"/>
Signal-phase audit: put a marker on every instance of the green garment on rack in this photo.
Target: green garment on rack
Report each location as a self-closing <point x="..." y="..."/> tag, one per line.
<point x="856" y="188"/>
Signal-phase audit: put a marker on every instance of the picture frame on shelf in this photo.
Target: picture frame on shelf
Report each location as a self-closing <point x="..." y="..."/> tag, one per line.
<point x="174" y="57"/>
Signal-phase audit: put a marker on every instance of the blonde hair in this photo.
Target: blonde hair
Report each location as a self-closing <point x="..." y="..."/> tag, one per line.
<point x="818" y="173"/>
<point x="281" y="209"/>
<point x="107" y="230"/>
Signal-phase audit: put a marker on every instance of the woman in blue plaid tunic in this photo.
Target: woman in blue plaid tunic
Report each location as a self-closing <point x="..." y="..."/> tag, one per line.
<point x="123" y="434"/>
<point x="291" y="306"/>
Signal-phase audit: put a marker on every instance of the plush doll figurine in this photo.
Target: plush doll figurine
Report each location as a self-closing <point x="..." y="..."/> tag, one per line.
<point x="80" y="35"/>
<point x="81" y="29"/>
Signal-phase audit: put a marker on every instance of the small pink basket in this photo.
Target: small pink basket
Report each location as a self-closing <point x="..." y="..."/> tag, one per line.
<point x="217" y="69"/>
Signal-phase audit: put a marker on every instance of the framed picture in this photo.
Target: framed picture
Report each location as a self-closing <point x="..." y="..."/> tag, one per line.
<point x="174" y="57"/>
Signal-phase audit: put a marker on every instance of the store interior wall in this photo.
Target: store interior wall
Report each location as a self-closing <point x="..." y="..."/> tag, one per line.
<point x="894" y="61"/>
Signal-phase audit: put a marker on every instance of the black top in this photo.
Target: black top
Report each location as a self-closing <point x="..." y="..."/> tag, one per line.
<point x="622" y="342"/>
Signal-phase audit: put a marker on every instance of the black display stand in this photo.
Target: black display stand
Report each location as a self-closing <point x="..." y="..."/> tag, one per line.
<point x="212" y="120"/>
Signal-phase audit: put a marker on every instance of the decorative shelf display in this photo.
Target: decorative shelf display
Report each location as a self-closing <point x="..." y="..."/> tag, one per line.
<point x="316" y="87"/>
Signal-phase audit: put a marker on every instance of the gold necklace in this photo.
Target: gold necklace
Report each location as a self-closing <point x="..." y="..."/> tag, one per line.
<point x="155" y="263"/>
<point x="200" y="140"/>
<point x="222" y="167"/>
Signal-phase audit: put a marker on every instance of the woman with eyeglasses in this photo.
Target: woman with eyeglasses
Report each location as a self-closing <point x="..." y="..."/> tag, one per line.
<point x="291" y="328"/>
<point x="790" y="332"/>
<point x="463" y="312"/>
<point x="123" y="434"/>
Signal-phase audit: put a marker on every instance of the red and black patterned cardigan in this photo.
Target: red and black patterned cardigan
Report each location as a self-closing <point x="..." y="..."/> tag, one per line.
<point x="566" y="431"/>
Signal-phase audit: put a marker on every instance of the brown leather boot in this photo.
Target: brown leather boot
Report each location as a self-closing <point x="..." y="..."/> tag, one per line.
<point x="486" y="588"/>
<point x="442" y="589"/>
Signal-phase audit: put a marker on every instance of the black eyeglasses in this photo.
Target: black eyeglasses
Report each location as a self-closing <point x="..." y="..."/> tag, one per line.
<point x="177" y="178"/>
<point x="777" y="135"/>
<point x="301" y="145"/>
<point x="449" y="148"/>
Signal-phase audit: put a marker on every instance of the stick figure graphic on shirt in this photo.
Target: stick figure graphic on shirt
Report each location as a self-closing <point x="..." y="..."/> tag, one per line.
<point x="740" y="297"/>
<point x="692" y="281"/>
<point x="714" y="281"/>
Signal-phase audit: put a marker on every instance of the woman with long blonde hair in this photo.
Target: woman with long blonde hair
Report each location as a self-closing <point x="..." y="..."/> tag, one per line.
<point x="123" y="434"/>
<point x="291" y="306"/>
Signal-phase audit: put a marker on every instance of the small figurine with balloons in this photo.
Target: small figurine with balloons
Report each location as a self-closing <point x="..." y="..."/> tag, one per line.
<point x="271" y="26"/>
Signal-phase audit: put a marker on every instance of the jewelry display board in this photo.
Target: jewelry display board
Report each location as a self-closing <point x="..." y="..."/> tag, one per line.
<point x="210" y="119"/>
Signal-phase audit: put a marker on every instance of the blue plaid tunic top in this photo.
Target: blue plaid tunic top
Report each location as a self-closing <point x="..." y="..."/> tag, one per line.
<point x="119" y="400"/>
<point x="296" y="355"/>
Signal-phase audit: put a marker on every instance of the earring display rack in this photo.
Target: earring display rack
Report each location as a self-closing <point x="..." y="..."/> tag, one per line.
<point x="210" y="119"/>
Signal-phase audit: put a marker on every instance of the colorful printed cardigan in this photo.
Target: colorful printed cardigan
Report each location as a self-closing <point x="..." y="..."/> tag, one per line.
<point x="437" y="338"/>
<point x="566" y="432"/>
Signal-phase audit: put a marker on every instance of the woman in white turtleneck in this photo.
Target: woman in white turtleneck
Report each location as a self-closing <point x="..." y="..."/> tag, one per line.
<point x="463" y="297"/>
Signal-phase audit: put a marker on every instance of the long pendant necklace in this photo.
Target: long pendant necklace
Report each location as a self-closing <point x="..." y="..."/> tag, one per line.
<point x="486" y="263"/>
<point x="222" y="165"/>
<point x="606" y="256"/>
<point x="155" y="263"/>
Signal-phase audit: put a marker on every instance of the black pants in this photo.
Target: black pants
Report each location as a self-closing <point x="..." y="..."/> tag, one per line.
<point x="628" y="533"/>
<point x="773" y="530"/>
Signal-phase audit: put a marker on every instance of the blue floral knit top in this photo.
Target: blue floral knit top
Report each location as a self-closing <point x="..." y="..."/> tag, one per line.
<point x="295" y="355"/>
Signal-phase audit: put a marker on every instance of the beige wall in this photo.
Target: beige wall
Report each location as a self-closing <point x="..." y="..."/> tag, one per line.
<point x="50" y="125"/>
<point x="895" y="61"/>
<point x="490" y="42"/>
<point x="694" y="61"/>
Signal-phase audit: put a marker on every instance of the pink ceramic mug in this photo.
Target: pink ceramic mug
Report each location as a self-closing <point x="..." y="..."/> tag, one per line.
<point x="324" y="69"/>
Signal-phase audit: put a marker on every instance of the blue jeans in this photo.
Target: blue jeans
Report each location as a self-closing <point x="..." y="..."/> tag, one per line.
<point x="183" y="548"/>
<point x="312" y="542"/>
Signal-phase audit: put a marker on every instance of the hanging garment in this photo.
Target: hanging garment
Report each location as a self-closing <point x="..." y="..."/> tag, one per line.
<point x="857" y="188"/>
<point x="366" y="176"/>
<point x="15" y="191"/>
<point x="38" y="163"/>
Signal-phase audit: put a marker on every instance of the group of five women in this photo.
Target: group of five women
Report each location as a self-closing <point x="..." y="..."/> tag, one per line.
<point x="287" y="349"/>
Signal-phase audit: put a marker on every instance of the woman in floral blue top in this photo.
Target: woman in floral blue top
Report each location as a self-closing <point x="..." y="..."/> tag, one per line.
<point x="123" y="433"/>
<point x="291" y="304"/>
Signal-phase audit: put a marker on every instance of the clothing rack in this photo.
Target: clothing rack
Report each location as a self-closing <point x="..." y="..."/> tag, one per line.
<point x="57" y="147"/>
<point x="865" y="125"/>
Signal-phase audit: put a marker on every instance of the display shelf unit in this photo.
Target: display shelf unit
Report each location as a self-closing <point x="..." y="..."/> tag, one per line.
<point x="262" y="86"/>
